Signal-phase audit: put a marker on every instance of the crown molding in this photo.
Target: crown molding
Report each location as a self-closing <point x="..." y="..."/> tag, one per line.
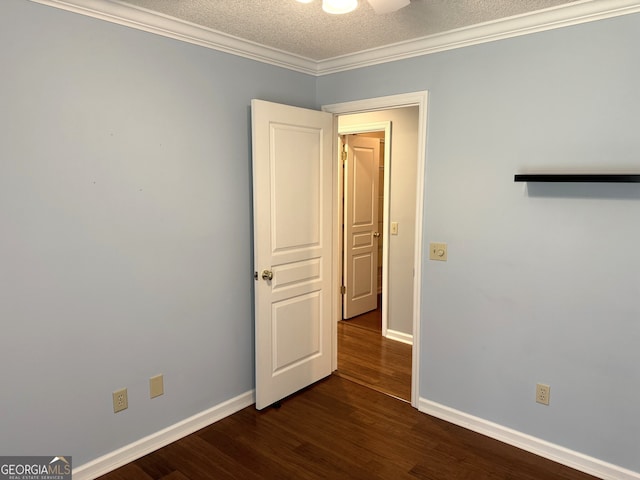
<point x="141" y="19"/>
<point x="556" y="17"/>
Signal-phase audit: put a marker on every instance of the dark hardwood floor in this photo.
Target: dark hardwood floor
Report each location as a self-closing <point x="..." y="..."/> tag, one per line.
<point x="338" y="429"/>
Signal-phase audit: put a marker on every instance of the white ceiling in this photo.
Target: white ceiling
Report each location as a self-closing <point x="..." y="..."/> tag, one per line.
<point x="305" y="30"/>
<point x="304" y="38"/>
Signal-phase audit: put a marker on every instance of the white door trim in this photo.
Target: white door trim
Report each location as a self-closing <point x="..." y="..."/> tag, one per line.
<point x="378" y="127"/>
<point x="419" y="99"/>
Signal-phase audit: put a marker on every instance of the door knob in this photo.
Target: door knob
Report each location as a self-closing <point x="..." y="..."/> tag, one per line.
<point x="376" y="234"/>
<point x="267" y="275"/>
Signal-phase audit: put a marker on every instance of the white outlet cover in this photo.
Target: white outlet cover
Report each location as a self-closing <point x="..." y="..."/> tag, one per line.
<point x="543" y="392"/>
<point x="120" y="400"/>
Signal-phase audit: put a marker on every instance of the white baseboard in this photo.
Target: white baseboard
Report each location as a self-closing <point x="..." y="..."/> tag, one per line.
<point x="146" y="445"/>
<point x="564" y="456"/>
<point x="399" y="336"/>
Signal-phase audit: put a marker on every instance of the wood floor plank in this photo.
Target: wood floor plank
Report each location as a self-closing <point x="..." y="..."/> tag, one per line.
<point x="174" y="476"/>
<point x="192" y="457"/>
<point x="156" y="465"/>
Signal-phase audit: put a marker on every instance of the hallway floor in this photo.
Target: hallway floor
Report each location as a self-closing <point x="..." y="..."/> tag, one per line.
<point x="368" y="358"/>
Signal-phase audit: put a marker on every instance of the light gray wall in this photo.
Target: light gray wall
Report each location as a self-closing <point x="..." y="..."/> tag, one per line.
<point x="402" y="175"/>
<point x="542" y="283"/>
<point x="125" y="211"/>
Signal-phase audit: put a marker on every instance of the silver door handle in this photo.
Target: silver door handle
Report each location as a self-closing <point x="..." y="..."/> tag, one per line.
<point x="376" y="234"/>
<point x="267" y="275"/>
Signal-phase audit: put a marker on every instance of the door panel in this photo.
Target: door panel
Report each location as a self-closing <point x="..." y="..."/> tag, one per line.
<point x="296" y="184"/>
<point x="297" y="329"/>
<point x="362" y="271"/>
<point x="292" y="176"/>
<point x="361" y="222"/>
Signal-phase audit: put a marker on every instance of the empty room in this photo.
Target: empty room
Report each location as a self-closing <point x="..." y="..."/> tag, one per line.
<point x="171" y="269"/>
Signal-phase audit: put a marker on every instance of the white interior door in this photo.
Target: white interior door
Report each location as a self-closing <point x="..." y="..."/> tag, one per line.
<point x="292" y="204"/>
<point x="361" y="223"/>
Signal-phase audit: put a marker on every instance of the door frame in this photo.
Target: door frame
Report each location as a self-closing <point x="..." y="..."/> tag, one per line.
<point x="419" y="99"/>
<point x="385" y="127"/>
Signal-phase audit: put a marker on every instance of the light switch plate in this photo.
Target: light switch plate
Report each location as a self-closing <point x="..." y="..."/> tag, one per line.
<point x="394" y="228"/>
<point x="438" y="251"/>
<point x="156" y="386"/>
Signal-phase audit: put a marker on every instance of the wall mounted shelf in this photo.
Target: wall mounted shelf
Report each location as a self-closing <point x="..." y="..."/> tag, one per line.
<point x="579" y="177"/>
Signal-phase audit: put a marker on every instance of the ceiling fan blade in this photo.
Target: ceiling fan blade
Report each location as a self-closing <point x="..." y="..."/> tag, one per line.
<point x="387" y="6"/>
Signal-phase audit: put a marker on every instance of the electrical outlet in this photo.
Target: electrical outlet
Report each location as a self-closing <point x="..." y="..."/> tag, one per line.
<point x="156" y="386"/>
<point x="120" y="401"/>
<point x="542" y="393"/>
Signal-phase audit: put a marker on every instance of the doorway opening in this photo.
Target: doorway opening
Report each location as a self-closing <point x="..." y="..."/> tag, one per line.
<point x="383" y="359"/>
<point x="303" y="222"/>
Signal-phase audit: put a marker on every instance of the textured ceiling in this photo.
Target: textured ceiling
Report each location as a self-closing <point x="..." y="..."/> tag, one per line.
<point x="305" y="30"/>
